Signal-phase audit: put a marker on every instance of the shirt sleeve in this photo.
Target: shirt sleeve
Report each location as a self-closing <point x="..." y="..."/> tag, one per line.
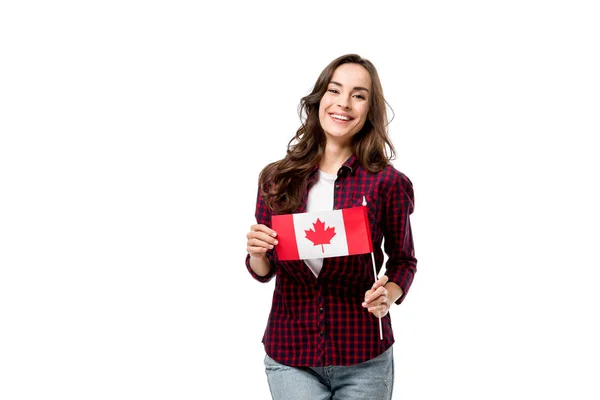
<point x="398" y="204"/>
<point x="263" y="216"/>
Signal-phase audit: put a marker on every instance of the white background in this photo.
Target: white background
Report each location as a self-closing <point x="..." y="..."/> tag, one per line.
<point x="132" y="135"/>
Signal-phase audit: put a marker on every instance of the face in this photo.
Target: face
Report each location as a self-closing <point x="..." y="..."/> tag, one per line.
<point x="344" y="108"/>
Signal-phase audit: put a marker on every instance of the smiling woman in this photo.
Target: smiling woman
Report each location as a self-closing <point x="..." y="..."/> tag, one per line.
<point x="339" y="88"/>
<point x="344" y="107"/>
<point x="322" y="335"/>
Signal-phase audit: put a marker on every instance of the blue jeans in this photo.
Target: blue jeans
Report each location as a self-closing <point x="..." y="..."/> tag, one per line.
<point x="372" y="380"/>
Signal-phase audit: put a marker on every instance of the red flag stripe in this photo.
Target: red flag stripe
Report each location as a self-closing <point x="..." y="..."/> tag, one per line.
<point x="358" y="234"/>
<point x="287" y="249"/>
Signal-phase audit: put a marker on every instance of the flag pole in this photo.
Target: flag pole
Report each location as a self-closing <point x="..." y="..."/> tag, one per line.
<point x="364" y="203"/>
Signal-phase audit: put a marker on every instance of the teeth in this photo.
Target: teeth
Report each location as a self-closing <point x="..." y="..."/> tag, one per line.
<point x="342" y="117"/>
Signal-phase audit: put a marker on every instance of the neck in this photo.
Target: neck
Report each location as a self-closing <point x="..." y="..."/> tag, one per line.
<point x="334" y="157"/>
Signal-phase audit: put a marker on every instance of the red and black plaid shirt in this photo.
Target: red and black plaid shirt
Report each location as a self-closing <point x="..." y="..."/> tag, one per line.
<point x="320" y="321"/>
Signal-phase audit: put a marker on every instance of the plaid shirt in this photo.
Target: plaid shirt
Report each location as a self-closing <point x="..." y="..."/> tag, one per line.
<point x="320" y="321"/>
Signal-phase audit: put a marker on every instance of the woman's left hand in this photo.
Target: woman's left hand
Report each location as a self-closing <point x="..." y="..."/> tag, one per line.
<point x="376" y="299"/>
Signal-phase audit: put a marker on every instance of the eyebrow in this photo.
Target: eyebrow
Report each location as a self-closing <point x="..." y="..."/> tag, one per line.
<point x="355" y="87"/>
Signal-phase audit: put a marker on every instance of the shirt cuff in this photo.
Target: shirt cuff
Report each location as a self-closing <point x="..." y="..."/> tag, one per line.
<point x="403" y="277"/>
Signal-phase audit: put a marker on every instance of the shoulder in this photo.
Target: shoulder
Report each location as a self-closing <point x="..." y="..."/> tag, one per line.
<point x="397" y="183"/>
<point x="393" y="176"/>
<point x="387" y="178"/>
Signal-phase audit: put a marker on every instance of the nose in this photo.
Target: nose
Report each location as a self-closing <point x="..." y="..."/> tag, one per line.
<point x="343" y="102"/>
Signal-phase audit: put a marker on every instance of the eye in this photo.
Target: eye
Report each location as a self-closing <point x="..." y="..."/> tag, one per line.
<point x="333" y="90"/>
<point x="360" y="96"/>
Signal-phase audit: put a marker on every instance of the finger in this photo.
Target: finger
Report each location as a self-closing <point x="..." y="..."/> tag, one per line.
<point x="263" y="228"/>
<point x="254" y="237"/>
<point x="380" y="305"/>
<point x="384" y="301"/>
<point x="378" y="309"/>
<point x="381" y="281"/>
<point x="375" y="300"/>
<point x="379" y="292"/>
<point x="252" y="250"/>
<point x="259" y="243"/>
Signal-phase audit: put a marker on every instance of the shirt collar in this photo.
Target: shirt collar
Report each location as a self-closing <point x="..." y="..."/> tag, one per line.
<point x="350" y="164"/>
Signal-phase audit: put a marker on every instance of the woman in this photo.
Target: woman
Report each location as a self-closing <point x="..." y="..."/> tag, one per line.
<point x="322" y="337"/>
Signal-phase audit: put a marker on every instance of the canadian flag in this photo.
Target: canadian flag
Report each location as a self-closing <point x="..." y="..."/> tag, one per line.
<point x="322" y="234"/>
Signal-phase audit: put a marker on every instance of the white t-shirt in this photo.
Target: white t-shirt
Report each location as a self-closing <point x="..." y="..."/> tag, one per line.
<point x="320" y="198"/>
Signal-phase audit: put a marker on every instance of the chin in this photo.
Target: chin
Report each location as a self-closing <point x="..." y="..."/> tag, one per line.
<point x="339" y="135"/>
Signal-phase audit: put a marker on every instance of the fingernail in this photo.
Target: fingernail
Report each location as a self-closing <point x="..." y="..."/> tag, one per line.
<point x="275" y="242"/>
<point x="367" y="299"/>
<point x="270" y="246"/>
<point x="364" y="304"/>
<point x="274" y="234"/>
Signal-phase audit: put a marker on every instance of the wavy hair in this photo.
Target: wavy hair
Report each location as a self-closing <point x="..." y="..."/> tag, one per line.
<point x="283" y="183"/>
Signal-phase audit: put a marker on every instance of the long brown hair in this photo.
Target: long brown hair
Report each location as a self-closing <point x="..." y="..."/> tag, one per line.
<point x="282" y="183"/>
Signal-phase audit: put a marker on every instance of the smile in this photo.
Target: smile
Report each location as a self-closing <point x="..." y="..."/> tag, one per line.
<point x="341" y="117"/>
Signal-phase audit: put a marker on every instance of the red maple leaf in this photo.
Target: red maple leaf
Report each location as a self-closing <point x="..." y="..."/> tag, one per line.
<point x="320" y="235"/>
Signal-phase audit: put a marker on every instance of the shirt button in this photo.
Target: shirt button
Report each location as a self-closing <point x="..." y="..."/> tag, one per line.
<point x="337" y="186"/>
<point x="321" y="333"/>
<point x="321" y="309"/>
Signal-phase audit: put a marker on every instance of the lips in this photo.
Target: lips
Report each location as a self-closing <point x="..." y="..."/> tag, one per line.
<point x="340" y="117"/>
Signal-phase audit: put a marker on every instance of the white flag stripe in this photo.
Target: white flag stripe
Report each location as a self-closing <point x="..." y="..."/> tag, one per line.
<point x="306" y="248"/>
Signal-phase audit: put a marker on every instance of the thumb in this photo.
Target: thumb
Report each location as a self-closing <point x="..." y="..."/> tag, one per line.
<point x="381" y="281"/>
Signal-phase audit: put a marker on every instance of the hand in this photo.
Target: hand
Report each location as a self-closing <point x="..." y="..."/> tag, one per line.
<point x="260" y="239"/>
<point x="376" y="299"/>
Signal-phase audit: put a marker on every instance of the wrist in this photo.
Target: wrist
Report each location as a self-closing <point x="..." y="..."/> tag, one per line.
<point x="394" y="291"/>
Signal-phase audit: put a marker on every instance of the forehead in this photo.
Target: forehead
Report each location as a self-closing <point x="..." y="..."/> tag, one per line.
<point x="352" y="75"/>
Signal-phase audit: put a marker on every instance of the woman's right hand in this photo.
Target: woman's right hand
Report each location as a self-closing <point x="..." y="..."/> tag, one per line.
<point x="260" y="239"/>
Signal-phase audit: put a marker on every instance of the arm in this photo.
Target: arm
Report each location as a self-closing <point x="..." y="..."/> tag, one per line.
<point x="398" y="244"/>
<point x="394" y="291"/>
<point x="260" y="266"/>
<point x="261" y="243"/>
